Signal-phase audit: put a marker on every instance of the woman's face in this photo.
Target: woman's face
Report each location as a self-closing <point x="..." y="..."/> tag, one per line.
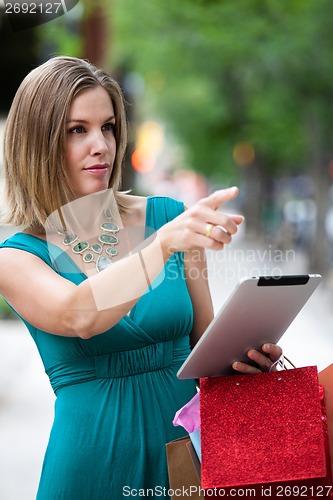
<point x="90" y="144"/>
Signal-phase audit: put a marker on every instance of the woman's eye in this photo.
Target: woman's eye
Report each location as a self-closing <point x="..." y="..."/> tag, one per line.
<point x="76" y="130"/>
<point x="108" y="126"/>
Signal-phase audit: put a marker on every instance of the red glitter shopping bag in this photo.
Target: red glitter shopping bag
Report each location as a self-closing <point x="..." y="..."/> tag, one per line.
<point x="265" y="435"/>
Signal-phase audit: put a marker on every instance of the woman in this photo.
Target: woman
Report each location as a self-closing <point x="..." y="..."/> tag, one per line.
<point x="111" y="337"/>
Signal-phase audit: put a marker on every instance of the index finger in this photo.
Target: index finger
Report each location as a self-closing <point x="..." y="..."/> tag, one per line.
<point x="216" y="199"/>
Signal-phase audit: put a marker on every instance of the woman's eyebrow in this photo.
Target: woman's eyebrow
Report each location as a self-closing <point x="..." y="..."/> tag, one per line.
<point x="86" y="121"/>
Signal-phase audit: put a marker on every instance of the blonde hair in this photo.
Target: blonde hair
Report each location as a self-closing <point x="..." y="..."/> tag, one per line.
<point x="35" y="135"/>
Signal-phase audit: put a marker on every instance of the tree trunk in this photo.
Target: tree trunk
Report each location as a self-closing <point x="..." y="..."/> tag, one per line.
<point x="318" y="258"/>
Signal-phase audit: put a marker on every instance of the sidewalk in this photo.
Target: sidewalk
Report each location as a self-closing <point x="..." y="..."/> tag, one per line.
<point x="26" y="399"/>
<point x="26" y="407"/>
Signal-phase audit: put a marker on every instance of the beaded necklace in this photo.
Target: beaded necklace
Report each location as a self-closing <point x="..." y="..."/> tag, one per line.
<point x="106" y="241"/>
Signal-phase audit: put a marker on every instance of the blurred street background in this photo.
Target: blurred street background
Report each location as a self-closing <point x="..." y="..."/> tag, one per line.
<point x="218" y="93"/>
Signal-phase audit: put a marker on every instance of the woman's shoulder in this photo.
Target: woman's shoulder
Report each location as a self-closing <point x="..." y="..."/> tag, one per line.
<point x="132" y="199"/>
<point x="168" y="203"/>
<point x="141" y="202"/>
<point x="27" y="242"/>
<point x="11" y="238"/>
<point x="163" y="209"/>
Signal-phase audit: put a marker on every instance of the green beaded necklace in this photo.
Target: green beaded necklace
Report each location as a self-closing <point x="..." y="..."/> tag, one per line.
<point x="94" y="252"/>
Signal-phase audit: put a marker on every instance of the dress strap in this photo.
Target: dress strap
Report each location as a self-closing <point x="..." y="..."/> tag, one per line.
<point x="28" y="243"/>
<point x="162" y="209"/>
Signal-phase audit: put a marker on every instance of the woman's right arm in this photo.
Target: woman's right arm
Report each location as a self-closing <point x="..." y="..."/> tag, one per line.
<point x="56" y="305"/>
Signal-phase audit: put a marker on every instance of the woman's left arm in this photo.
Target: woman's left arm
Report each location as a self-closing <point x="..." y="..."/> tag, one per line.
<point x="198" y="286"/>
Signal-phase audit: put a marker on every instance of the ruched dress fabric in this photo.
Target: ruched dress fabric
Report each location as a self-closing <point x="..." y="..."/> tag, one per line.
<point x="116" y="393"/>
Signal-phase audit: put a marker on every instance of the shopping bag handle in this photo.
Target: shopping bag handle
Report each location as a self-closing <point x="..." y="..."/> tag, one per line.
<point x="281" y="363"/>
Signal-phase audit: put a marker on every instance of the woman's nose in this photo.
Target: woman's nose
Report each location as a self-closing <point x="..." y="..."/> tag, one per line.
<point x="98" y="143"/>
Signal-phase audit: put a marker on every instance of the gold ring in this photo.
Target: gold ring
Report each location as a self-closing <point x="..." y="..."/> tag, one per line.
<point x="209" y="229"/>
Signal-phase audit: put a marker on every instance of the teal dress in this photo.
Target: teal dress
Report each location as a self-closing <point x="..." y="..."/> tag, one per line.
<point x="116" y="393"/>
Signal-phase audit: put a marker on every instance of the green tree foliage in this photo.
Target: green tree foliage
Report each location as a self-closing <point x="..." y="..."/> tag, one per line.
<point x="5" y="311"/>
<point x="61" y="35"/>
<point x="224" y="72"/>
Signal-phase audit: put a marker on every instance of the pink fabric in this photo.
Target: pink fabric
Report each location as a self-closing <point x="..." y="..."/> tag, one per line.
<point x="189" y="415"/>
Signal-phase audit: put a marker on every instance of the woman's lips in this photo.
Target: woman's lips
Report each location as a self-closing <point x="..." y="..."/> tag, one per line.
<point x="99" y="169"/>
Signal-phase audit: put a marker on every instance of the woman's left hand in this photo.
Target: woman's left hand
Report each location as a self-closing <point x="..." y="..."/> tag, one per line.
<point x="265" y="359"/>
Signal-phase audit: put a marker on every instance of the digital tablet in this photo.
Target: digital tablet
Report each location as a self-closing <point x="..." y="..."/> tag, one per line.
<point x="259" y="310"/>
